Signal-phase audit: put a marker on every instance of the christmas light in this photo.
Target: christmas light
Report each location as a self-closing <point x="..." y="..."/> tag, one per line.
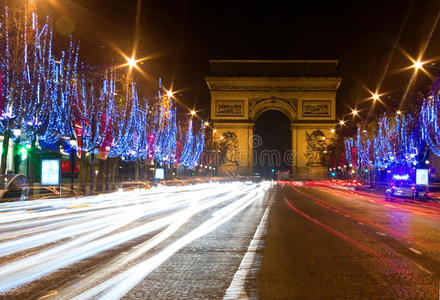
<point x="53" y="99"/>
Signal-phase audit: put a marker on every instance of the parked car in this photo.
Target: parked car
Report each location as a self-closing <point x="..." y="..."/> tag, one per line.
<point x="13" y="187"/>
<point x="432" y="193"/>
<point x="400" y="189"/>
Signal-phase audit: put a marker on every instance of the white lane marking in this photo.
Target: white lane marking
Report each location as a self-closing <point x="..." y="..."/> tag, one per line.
<point x="360" y="223"/>
<point x="380" y="233"/>
<point x="415" y="250"/>
<point x="422" y="268"/>
<point x="236" y="288"/>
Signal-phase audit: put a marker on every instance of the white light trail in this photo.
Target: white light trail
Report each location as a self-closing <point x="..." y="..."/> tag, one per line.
<point x="105" y="223"/>
<point x="119" y="285"/>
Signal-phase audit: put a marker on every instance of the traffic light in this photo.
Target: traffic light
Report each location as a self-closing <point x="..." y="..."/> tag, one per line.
<point x="273" y="170"/>
<point x="333" y="174"/>
<point x="366" y="170"/>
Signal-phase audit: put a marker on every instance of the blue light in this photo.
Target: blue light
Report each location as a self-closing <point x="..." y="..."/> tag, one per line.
<point x="400" y="177"/>
<point x="52" y="96"/>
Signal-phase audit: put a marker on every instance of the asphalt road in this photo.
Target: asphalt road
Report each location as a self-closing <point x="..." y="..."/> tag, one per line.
<point x="214" y="241"/>
<point x="330" y="243"/>
<point x="166" y="243"/>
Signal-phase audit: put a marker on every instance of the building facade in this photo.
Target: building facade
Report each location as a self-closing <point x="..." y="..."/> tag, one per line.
<point x="303" y="90"/>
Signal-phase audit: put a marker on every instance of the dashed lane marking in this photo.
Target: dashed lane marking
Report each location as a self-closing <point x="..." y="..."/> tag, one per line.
<point x="422" y="268"/>
<point x="236" y="289"/>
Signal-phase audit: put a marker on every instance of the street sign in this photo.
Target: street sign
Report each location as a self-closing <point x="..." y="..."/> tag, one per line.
<point x="50" y="172"/>
<point x="422" y="176"/>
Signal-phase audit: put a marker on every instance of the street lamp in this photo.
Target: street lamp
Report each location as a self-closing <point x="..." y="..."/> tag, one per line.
<point x="418" y="64"/>
<point x="131" y="62"/>
<point x="193" y="112"/>
<point x="72" y="157"/>
<point x="376" y="96"/>
<point x="341" y="122"/>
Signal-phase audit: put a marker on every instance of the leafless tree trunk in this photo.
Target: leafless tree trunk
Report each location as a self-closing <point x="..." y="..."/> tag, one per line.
<point x="5" y="147"/>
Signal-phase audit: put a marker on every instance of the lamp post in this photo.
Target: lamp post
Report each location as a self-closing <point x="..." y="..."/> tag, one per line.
<point x="107" y="148"/>
<point x="16" y="155"/>
<point x="72" y="160"/>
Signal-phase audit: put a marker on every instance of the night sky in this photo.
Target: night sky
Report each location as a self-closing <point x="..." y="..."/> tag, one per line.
<point x="180" y="36"/>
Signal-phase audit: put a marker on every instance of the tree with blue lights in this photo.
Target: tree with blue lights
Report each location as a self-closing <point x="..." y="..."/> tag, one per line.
<point x="429" y="116"/>
<point x="48" y="97"/>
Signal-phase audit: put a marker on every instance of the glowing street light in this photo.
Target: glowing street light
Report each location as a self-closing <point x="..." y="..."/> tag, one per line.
<point x="376" y="96"/>
<point x="131" y="62"/>
<point x="169" y="94"/>
<point x="355" y="112"/>
<point x="399" y="112"/>
<point x="341" y="122"/>
<point x="206" y="123"/>
<point x="332" y="130"/>
<point x="417" y="64"/>
<point x="193" y="112"/>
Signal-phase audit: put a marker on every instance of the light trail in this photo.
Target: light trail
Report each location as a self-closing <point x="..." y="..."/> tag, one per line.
<point x="362" y="220"/>
<point x="96" y="222"/>
<point x="119" y="285"/>
<point x="125" y="258"/>
<point x="70" y="230"/>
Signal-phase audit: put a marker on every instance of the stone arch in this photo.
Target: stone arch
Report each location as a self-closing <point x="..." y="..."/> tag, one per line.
<point x="262" y="105"/>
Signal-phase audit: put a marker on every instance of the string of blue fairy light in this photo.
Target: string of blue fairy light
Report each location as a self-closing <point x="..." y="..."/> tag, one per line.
<point x="52" y="98"/>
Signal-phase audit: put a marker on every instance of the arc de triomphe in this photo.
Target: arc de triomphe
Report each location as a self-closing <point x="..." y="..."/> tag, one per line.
<point x="303" y="90"/>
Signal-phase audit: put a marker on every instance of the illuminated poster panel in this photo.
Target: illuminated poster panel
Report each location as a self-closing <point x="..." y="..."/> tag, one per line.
<point x="159" y="174"/>
<point x="50" y="172"/>
<point x="422" y="176"/>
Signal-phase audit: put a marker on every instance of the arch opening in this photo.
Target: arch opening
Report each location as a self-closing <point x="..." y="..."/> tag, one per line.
<point x="269" y="104"/>
<point x="272" y="144"/>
